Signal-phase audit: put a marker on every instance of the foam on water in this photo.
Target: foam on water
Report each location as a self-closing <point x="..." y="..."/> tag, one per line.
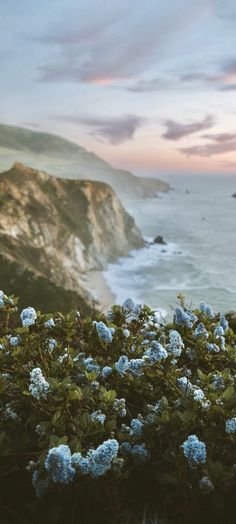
<point x="200" y="255"/>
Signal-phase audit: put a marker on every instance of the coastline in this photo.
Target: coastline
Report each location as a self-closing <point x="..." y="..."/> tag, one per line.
<point x="100" y="290"/>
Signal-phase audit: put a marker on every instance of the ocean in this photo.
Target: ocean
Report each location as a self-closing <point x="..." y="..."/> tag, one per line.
<point x="197" y="219"/>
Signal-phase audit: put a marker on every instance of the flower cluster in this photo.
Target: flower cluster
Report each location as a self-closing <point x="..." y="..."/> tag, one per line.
<point x="28" y="317"/>
<point x="183" y="317"/>
<point x="104" y="332"/>
<point x="206" y="485"/>
<point x="130" y="397"/>
<point x="38" y="387"/>
<point x="155" y="353"/>
<point x="49" y="323"/>
<point x="98" y="416"/>
<point x="194" y="451"/>
<point x="97" y="461"/>
<point x="230" y="425"/>
<point x="176" y="344"/>
<point x="206" y="310"/>
<point x="119" y="407"/>
<point x="58" y="465"/>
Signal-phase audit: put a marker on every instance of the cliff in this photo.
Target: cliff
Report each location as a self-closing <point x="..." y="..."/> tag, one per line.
<point x="66" y="159"/>
<point x="54" y="231"/>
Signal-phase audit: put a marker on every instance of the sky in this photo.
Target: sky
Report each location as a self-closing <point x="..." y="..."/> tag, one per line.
<point x="149" y="85"/>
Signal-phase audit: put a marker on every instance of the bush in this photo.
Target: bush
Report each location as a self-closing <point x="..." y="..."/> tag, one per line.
<point x="116" y="414"/>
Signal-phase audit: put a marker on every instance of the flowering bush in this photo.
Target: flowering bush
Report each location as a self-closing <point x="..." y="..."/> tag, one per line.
<point x="124" y="408"/>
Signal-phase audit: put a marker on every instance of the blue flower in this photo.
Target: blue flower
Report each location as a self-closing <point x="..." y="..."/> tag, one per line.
<point x="137" y="427"/>
<point x="14" y="341"/>
<point x="90" y="366"/>
<point x="28" y="317"/>
<point x="2" y="299"/>
<point x="156" y="352"/>
<point x="224" y="323"/>
<point x="106" y="371"/>
<point x="230" y="425"/>
<point x="49" y="323"/>
<point x="40" y="483"/>
<point x="198" y="394"/>
<point x="98" y="416"/>
<point x="184" y="384"/>
<point x="39" y="387"/>
<point x="93" y="367"/>
<point x="87" y="361"/>
<point x="201" y="331"/>
<point x="218" y="382"/>
<point x="140" y="453"/>
<point x="192" y="391"/>
<point x="104" y="332"/>
<point x="126" y="333"/>
<point x="206" y="309"/>
<point x="122" y="365"/>
<point x="119" y="407"/>
<point x="194" y="451"/>
<point x="136" y="366"/>
<point x="128" y="304"/>
<point x="206" y="485"/>
<point x="58" y="464"/>
<point x="98" y="461"/>
<point x="222" y="342"/>
<point x="125" y="448"/>
<point x="80" y="462"/>
<point x="219" y="331"/>
<point x="52" y="344"/>
<point x="176" y="344"/>
<point x="209" y="312"/>
<point x="95" y="385"/>
<point x="184" y="318"/>
<point x="212" y="348"/>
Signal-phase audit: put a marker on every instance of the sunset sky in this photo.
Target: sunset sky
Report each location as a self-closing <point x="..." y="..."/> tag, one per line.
<point x="148" y="85"/>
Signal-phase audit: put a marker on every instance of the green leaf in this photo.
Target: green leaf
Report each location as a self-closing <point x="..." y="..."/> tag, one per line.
<point x="228" y="393"/>
<point x="76" y="394"/>
<point x="62" y="440"/>
<point x="109" y="396"/>
<point x="54" y="439"/>
<point x="202" y="376"/>
<point x="56" y="417"/>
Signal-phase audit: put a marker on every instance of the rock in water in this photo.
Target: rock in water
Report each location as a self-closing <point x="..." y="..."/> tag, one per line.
<point x="159" y="240"/>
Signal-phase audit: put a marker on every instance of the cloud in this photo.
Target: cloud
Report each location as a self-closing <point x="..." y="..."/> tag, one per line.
<point x="223" y="79"/>
<point x="218" y="145"/>
<point x="115" y="130"/>
<point x="148" y="86"/>
<point x="229" y="87"/>
<point x="124" y="39"/>
<point x="176" y="130"/>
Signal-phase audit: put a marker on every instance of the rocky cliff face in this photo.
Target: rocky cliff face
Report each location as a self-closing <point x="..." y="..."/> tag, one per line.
<point x="65" y="159"/>
<point x="53" y="231"/>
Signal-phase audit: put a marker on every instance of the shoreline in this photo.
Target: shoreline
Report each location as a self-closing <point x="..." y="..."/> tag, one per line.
<point x="100" y="290"/>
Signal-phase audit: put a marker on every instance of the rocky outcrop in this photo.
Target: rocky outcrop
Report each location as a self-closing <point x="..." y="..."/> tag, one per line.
<point x="53" y="231"/>
<point x="66" y="159"/>
<point x="159" y="240"/>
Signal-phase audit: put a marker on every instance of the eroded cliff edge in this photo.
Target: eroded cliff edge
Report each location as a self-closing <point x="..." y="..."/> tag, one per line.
<point x="54" y="231"/>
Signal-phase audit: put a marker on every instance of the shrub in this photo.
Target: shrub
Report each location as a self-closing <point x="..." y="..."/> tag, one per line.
<point x="122" y="409"/>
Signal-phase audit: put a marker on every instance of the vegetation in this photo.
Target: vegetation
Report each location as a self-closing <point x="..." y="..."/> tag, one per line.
<point x="100" y="417"/>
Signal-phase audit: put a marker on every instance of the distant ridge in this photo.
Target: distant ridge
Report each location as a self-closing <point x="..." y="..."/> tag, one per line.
<point x="63" y="158"/>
